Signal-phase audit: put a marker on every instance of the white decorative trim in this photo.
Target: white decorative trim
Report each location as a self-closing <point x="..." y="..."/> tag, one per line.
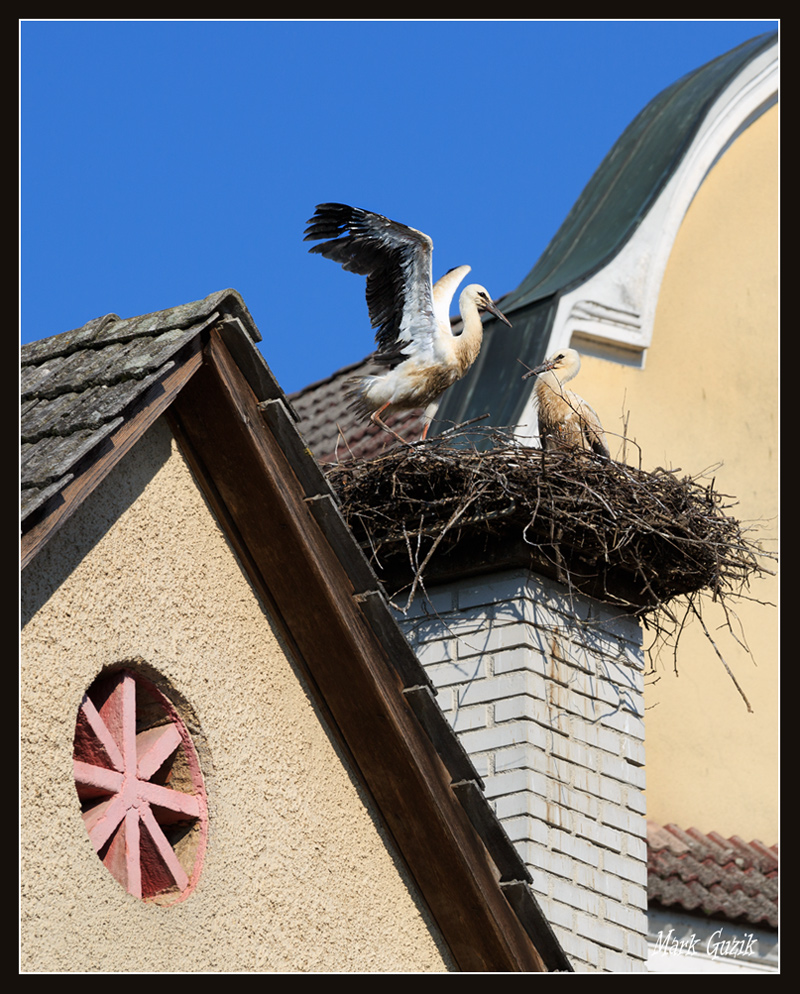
<point x="618" y="304"/>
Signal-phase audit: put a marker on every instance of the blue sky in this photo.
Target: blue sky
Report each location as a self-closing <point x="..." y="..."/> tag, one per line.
<point x="164" y="160"/>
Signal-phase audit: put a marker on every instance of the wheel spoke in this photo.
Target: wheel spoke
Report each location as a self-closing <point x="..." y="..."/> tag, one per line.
<point x="153" y="749"/>
<point x="165" y="850"/>
<point x="122" y="744"/>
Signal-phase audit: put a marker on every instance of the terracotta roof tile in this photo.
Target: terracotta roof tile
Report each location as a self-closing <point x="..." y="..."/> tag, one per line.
<point x="721" y="877"/>
<point x="333" y="432"/>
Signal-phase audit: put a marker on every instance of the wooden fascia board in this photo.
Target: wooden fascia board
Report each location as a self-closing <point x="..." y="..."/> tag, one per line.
<point x="96" y="466"/>
<point x="242" y="466"/>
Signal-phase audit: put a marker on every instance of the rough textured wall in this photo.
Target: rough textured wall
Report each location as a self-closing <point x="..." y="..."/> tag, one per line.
<point x="546" y="692"/>
<point x="298" y="874"/>
<point x="707" y="400"/>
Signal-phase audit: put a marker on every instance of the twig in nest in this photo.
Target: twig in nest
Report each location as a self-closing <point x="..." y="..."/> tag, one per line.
<point x="635" y="539"/>
<point x="721" y="657"/>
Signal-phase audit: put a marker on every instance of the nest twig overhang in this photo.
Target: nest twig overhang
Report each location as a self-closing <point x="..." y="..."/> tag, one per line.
<point x="628" y="537"/>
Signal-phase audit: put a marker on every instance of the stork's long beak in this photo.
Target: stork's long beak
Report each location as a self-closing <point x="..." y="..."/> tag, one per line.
<point x="542" y="368"/>
<point x="490" y="307"/>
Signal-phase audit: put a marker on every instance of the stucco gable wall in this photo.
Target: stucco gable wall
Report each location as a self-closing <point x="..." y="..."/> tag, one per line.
<point x="298" y="874"/>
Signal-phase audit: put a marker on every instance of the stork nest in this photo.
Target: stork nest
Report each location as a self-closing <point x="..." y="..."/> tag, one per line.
<point x="629" y="537"/>
<point x="478" y="501"/>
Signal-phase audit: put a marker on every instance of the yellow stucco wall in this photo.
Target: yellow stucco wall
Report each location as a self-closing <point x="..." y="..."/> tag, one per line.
<point x="708" y="395"/>
<point x="298" y="874"/>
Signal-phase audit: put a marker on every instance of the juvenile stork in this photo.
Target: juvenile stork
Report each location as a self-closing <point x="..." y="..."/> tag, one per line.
<point x="565" y="419"/>
<point x="410" y="313"/>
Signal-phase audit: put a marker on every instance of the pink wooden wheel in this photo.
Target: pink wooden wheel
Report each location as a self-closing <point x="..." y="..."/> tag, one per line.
<point x="141" y="790"/>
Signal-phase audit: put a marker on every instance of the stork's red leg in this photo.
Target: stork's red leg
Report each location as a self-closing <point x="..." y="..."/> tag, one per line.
<point x="375" y="418"/>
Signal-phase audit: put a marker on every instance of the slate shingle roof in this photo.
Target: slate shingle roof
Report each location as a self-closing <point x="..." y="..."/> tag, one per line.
<point x="723" y="878"/>
<point x="75" y="387"/>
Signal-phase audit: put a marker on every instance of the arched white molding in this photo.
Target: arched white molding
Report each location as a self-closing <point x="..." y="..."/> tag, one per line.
<point x="611" y="313"/>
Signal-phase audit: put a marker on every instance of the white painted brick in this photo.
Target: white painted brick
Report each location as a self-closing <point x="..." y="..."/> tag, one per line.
<point x="599" y="881"/>
<point x="622" y="626"/>
<point x="618" y="670"/>
<point x="457" y="625"/>
<point x="494" y="688"/>
<point x="608" y="740"/>
<point x="565" y="748"/>
<point x="570" y="655"/>
<point x="585" y="780"/>
<point x="499" y="737"/>
<point x="522" y="706"/>
<point x="578" y="848"/>
<point x="610" y="697"/>
<point x="547" y="864"/>
<point x="637" y="945"/>
<point x="636" y="800"/>
<point x="588" y="732"/>
<point x="559" y="743"/>
<point x="636" y="895"/>
<point x="583" y="955"/>
<point x="527" y="828"/>
<point x="560" y="915"/>
<point x="619" y="769"/>
<point x="554" y="815"/>
<point x="444" y="698"/>
<point x="602" y="932"/>
<point x="430" y="653"/>
<point x="576" y="897"/>
<point x="599" y="834"/>
<point x="611" y="790"/>
<point x="468" y="719"/>
<point x="523" y="802"/>
<point x="520" y="806"/>
<point x="628" y="725"/>
<point x="516" y="758"/>
<point x="630" y="919"/>
<point x="448" y="674"/>
<point x="539" y="613"/>
<point x="566" y="603"/>
<point x="534" y="845"/>
<point x="565" y="699"/>
<point x="494" y="637"/>
<point x="532" y="704"/>
<point x="575" y="800"/>
<point x="619" y="818"/>
<point x="636" y="847"/>
<point x="515" y="781"/>
<point x="614" y="962"/>
<point x="481" y="764"/>
<point x="626" y="867"/>
<point x="633" y="751"/>
<point x="521" y="657"/>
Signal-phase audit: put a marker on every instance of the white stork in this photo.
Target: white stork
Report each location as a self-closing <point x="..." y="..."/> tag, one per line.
<point x="565" y="419"/>
<point x="410" y="313"/>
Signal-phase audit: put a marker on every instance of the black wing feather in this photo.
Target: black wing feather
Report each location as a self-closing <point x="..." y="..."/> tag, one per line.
<point x="392" y="256"/>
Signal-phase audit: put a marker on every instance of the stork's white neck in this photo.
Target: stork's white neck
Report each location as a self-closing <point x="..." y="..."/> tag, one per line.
<point x="556" y="378"/>
<point x="467" y="345"/>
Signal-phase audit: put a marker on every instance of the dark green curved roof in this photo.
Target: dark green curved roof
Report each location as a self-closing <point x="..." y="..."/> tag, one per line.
<point x="631" y="176"/>
<point x="616" y="199"/>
